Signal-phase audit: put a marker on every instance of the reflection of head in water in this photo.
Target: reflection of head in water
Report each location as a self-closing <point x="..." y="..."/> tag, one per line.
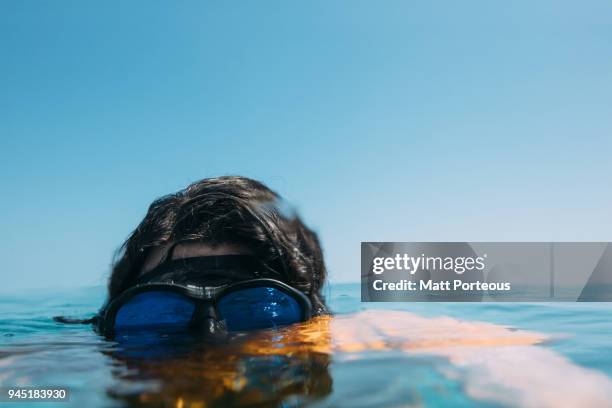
<point x="264" y="368"/>
<point x="221" y="216"/>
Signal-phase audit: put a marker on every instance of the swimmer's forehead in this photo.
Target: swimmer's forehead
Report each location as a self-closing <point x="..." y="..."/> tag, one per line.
<point x="191" y="250"/>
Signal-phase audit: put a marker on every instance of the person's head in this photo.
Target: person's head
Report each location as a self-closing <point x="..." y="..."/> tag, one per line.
<point x="228" y="215"/>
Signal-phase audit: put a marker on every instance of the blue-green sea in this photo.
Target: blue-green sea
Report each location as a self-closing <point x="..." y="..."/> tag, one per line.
<point x="36" y="351"/>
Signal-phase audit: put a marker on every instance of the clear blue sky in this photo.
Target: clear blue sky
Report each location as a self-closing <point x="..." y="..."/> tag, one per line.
<point x="390" y="120"/>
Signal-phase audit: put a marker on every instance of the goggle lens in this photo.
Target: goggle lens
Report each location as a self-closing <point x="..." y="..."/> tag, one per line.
<point x="155" y="309"/>
<point x="258" y="308"/>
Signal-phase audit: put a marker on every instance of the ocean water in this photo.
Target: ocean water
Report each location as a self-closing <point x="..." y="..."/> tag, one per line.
<point x="376" y="354"/>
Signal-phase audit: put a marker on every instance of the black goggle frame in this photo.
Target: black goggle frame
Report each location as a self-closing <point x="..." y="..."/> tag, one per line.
<point x="204" y="296"/>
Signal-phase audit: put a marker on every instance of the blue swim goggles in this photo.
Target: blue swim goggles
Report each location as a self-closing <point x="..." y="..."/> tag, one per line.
<point x="214" y="293"/>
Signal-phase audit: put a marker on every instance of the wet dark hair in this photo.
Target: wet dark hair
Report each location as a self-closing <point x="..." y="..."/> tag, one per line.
<point x="228" y="210"/>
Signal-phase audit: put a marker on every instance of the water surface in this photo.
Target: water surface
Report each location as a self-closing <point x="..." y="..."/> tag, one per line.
<point x="383" y="354"/>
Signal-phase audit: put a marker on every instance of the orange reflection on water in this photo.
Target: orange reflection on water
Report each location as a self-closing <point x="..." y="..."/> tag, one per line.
<point x="292" y="363"/>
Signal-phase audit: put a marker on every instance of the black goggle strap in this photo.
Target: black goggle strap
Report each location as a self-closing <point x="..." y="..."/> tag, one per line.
<point x="75" y="320"/>
<point x="261" y="268"/>
<point x="233" y="267"/>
